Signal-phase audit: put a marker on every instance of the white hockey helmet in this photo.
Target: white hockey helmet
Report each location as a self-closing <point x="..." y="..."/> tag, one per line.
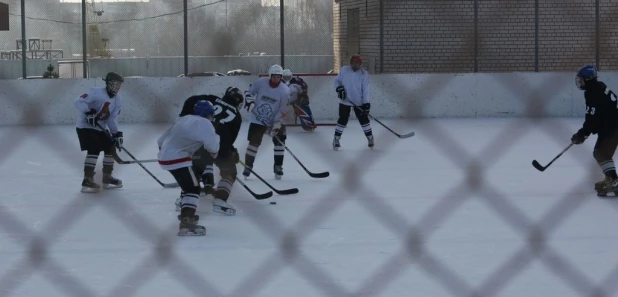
<point x="287" y="75"/>
<point x="275" y="70"/>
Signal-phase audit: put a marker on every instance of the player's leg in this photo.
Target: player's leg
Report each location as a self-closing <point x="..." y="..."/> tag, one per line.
<point x="363" y="119"/>
<point x="228" y="172"/>
<point x="109" y="181"/>
<point x="603" y="153"/>
<point x="254" y="136"/>
<point x="89" y="142"/>
<point x="203" y="167"/>
<point x="186" y="179"/>
<point x="342" y="121"/>
<point x="303" y="111"/>
<point x="279" y="150"/>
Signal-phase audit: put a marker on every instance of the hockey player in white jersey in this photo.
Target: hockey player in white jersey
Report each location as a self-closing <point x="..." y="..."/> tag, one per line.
<point x="100" y="107"/>
<point x="270" y="97"/>
<point x="299" y="99"/>
<point x="176" y="147"/>
<point x="352" y="87"/>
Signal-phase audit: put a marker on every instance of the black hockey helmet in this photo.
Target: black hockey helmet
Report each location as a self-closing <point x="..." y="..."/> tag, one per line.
<point x="113" y="81"/>
<point x="236" y="94"/>
<point x="113" y="76"/>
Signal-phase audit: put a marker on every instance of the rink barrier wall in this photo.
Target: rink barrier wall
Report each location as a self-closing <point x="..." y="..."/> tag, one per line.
<point x="159" y="100"/>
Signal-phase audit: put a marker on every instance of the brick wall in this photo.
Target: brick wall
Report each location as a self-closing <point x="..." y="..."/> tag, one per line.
<point x="439" y="35"/>
<point x="370" y="32"/>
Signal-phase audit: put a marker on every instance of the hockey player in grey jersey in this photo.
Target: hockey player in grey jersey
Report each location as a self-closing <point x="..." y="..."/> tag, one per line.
<point x="270" y="96"/>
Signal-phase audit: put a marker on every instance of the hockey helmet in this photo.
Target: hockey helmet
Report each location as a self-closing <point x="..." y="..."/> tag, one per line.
<point x="275" y="70"/>
<point x="236" y="94"/>
<point x="113" y="81"/>
<point x="585" y="74"/>
<point x="204" y="109"/>
<point x="287" y="75"/>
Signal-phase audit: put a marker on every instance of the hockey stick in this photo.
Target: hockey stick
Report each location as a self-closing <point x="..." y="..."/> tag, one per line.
<point x="387" y="128"/>
<point x="171" y="185"/>
<point x="280" y="192"/>
<point x="538" y="166"/>
<point x="314" y="175"/>
<point x="255" y="195"/>
<point x="120" y="161"/>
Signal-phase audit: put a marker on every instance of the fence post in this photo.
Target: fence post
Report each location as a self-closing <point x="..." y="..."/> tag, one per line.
<point x="536" y="36"/>
<point x="186" y="37"/>
<point x="84" y="41"/>
<point x="381" y="36"/>
<point x="598" y="37"/>
<point x="476" y="36"/>
<point x="281" y="31"/>
<point x="23" y="39"/>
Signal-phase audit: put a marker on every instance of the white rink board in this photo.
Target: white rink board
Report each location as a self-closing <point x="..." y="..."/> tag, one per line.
<point x="158" y="100"/>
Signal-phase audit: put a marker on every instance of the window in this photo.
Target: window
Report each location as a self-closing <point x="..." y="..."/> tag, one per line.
<point x="353" y="32"/>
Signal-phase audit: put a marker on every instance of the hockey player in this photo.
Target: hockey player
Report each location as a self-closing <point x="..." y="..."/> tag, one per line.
<point x="602" y="119"/>
<point x="176" y="146"/>
<point x="100" y="108"/>
<point x="352" y="87"/>
<point x="227" y="122"/>
<point x="299" y="99"/>
<point x="270" y="97"/>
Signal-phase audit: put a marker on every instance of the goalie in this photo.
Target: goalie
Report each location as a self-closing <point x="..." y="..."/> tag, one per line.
<point x="299" y="99"/>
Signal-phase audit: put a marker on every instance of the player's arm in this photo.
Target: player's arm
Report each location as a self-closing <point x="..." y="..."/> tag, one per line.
<point x="163" y="136"/>
<point x="338" y="83"/>
<point x="112" y="122"/>
<point x="83" y="103"/>
<point x="592" y="118"/>
<point x="208" y="136"/>
<point x="365" y="88"/>
<point x="250" y="94"/>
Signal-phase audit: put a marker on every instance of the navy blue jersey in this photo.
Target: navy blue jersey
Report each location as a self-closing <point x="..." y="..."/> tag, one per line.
<point x="601" y="109"/>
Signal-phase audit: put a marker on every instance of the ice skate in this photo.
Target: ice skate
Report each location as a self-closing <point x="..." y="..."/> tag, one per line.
<point x="370" y="142"/>
<point x="89" y="186"/>
<point x="336" y="144"/>
<point x="603" y="183"/>
<point x="110" y="182"/>
<point x="246" y="172"/>
<point x="189" y="227"/>
<point x="278" y="170"/>
<point x="222" y="207"/>
<point x="610" y="187"/>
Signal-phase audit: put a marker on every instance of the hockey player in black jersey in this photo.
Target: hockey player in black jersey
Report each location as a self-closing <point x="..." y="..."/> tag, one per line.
<point x="227" y="123"/>
<point x="601" y="119"/>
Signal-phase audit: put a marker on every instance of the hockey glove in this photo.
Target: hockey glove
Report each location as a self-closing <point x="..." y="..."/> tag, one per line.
<point x="341" y="92"/>
<point x="578" y="138"/>
<point x="248" y="100"/>
<point x="365" y="108"/>
<point x="275" y="130"/>
<point x="118" y="140"/>
<point x="92" y="117"/>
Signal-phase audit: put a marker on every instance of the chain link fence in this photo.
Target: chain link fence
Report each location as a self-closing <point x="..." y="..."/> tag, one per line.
<point x="146" y="38"/>
<point x="33" y="247"/>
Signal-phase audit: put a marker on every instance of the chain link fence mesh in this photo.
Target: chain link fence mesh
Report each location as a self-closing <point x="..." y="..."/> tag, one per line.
<point x="36" y="257"/>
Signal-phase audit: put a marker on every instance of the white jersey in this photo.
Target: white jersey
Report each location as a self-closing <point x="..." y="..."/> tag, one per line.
<point x="269" y="102"/>
<point x="295" y="90"/>
<point x="186" y="135"/>
<point x="107" y="108"/>
<point x="356" y="85"/>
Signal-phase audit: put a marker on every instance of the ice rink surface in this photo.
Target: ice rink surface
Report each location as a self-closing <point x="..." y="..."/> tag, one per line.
<point x="456" y="209"/>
